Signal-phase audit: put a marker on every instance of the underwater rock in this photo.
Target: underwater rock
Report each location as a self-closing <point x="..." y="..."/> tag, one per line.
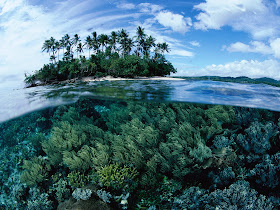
<point x="90" y="204"/>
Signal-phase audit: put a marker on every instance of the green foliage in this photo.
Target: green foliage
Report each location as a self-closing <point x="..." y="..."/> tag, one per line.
<point x="129" y="66"/>
<point x="116" y="176"/>
<point x="77" y="179"/>
<point x="76" y="142"/>
<point x="36" y="171"/>
<point x="141" y="153"/>
<point x="165" y="138"/>
<point x="61" y="189"/>
<point x="121" y="63"/>
<point x="37" y="140"/>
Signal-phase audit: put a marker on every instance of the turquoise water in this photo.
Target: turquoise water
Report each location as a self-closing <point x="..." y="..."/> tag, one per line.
<point x="140" y="145"/>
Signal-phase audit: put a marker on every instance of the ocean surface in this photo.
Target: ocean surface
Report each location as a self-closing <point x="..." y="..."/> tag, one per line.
<point x="140" y="145"/>
<point x="17" y="100"/>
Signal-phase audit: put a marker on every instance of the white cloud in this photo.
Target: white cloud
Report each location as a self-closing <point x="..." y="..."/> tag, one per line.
<point x="149" y="8"/>
<point x="252" y="16"/>
<point x="249" y="68"/>
<point x="126" y="6"/>
<point x="24" y="28"/>
<point x="254" y="47"/>
<point x="181" y="52"/>
<point x="272" y="48"/>
<point x="195" y="43"/>
<point x="175" y="21"/>
<point x="275" y="46"/>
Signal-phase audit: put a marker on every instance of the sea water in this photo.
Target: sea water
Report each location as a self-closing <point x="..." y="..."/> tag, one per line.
<point x="141" y="145"/>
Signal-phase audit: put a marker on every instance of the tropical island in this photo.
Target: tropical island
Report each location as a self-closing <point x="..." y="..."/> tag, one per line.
<point x="116" y="55"/>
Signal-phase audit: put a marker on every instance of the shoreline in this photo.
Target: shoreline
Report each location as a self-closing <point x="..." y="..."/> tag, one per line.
<point x="110" y="78"/>
<point x="100" y="79"/>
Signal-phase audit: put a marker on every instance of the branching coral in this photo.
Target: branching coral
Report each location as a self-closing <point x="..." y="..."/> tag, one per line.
<point x="116" y="176"/>
<point x="61" y="189"/>
<point x="238" y="196"/>
<point x="257" y="138"/>
<point x="69" y="142"/>
<point x="36" y="171"/>
<point x="76" y="179"/>
<point x="267" y="172"/>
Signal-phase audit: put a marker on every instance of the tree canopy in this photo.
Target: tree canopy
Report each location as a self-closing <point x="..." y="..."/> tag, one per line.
<point x="117" y="55"/>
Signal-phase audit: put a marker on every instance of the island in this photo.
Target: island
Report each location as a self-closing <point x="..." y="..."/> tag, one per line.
<point x="117" y="55"/>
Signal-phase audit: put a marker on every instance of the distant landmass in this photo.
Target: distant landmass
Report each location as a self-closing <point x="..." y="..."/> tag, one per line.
<point x="245" y="80"/>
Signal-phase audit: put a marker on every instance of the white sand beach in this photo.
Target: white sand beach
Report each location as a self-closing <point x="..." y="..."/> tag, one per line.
<point x="110" y="78"/>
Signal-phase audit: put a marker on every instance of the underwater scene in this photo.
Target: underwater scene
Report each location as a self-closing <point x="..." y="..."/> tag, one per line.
<point x="138" y="154"/>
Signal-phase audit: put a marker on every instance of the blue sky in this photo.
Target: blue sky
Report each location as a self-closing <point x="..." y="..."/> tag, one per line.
<point x="206" y="37"/>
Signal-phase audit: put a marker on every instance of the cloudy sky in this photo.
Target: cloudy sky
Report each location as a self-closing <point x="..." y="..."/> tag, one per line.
<point x="206" y="37"/>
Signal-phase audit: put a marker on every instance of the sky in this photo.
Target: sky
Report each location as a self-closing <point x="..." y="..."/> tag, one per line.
<point x="206" y="37"/>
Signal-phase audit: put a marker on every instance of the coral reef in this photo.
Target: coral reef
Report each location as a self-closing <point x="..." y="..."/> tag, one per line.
<point x="76" y="179"/>
<point x="81" y="194"/>
<point x="61" y="189"/>
<point x="116" y="177"/>
<point x="257" y="137"/>
<point x="127" y="155"/>
<point x="105" y="196"/>
<point x="38" y="201"/>
<point x="238" y="196"/>
<point x="36" y="171"/>
<point x="267" y="172"/>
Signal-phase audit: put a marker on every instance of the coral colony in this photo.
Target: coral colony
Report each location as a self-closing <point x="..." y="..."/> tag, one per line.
<point x="139" y="155"/>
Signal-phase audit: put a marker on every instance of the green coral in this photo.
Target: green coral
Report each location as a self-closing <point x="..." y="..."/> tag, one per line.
<point x="36" y="171"/>
<point x="73" y="142"/>
<point x="77" y="179"/>
<point x="116" y="176"/>
<point x="61" y="189"/>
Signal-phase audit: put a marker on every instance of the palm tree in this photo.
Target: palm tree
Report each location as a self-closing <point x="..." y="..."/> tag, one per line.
<point x="123" y="40"/>
<point x="164" y="47"/>
<point x="57" y="47"/>
<point x="67" y="44"/>
<point x="63" y="44"/>
<point x="148" y="44"/>
<point x="141" y="36"/>
<point x="157" y="51"/>
<point x="68" y="55"/>
<point x="76" y="40"/>
<point x="53" y="48"/>
<point x="47" y="46"/>
<point x="103" y="40"/>
<point x="95" y="42"/>
<point x="79" y="48"/>
<point x="67" y="40"/>
<point x="129" y="46"/>
<point x="113" y="41"/>
<point x="89" y="44"/>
